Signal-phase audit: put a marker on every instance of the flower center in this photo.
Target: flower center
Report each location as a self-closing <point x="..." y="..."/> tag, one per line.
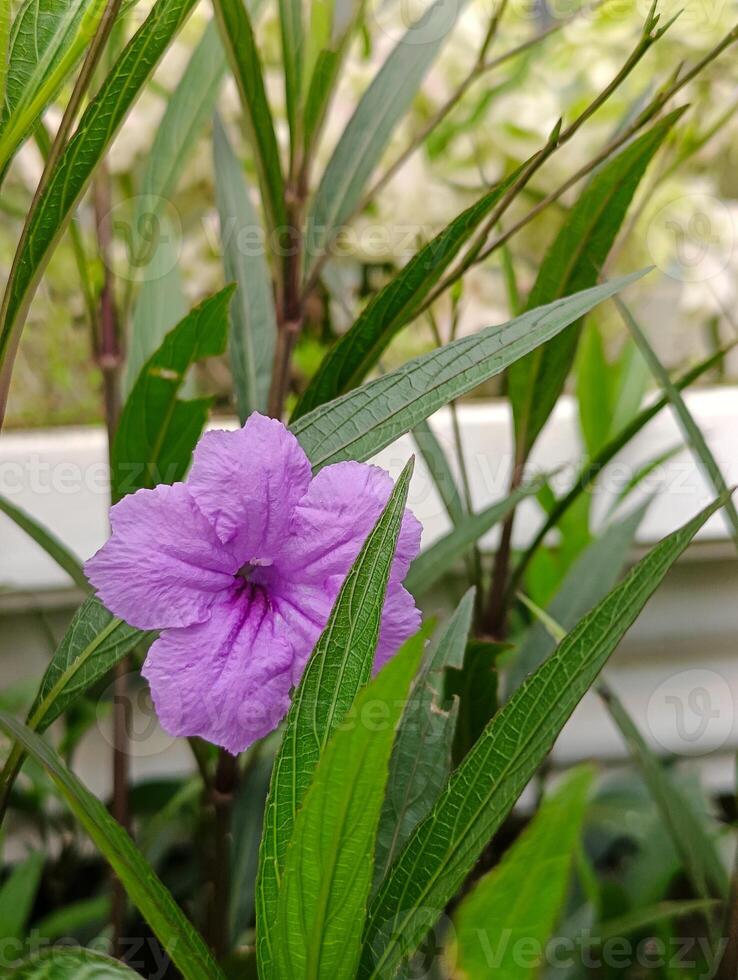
<point x="249" y="567"/>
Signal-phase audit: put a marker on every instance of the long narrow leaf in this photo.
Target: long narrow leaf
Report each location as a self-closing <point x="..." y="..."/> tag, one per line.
<point x="186" y="949"/>
<point x="421" y="757"/>
<point x="339" y="666"/>
<point x="97" y="127"/>
<point x="328" y="869"/>
<point x="253" y="319"/>
<point x="484" y="788"/>
<point x="188" y="109"/>
<point x="46" y="540"/>
<point x="573" y="262"/>
<point x="357" y="425"/>
<point x="692" y="432"/>
<point x="369" y="130"/>
<point x="157" y="431"/>
<point x="593" y="467"/>
<point x="237" y="36"/>
<point x="47" y="40"/>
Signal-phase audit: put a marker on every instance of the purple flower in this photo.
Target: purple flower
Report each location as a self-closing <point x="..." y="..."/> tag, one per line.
<point x="239" y="567"/>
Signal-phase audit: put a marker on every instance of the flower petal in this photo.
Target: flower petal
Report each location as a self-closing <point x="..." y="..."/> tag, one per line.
<point x="247" y="484"/>
<point x="400" y="620"/>
<point x="163" y="563"/>
<point x="226" y="680"/>
<point x="335" y="517"/>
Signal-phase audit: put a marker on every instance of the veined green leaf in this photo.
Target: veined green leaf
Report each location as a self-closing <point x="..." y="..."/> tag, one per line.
<point x="253" y="320"/>
<point x="590" y="578"/>
<point x="574" y="262"/>
<point x="328" y="868"/>
<point x="354" y="354"/>
<point x="690" y="429"/>
<point x="188" y="108"/>
<point x="93" y="644"/>
<point x="436" y="560"/>
<point x="357" y="425"/>
<point x="157" y="431"/>
<point x="237" y="36"/>
<point x="483" y="789"/>
<point x="421" y="757"/>
<point x="178" y="937"/>
<point x="97" y="127"/>
<point x="46" y="41"/>
<point x="160" y="303"/>
<point x="696" y="848"/>
<point x="369" y="130"/>
<point x="72" y="964"/>
<point x="339" y="666"/>
<point x="522" y="898"/>
<point x="46" y="540"/>
<point x="17" y="896"/>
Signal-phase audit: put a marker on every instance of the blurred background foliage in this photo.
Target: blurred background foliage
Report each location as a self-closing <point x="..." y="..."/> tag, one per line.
<point x="684" y="218"/>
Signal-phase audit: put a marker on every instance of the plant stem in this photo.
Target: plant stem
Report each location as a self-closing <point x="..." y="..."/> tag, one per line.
<point x="108" y="355"/>
<point x="222" y="795"/>
<point x="494" y="619"/>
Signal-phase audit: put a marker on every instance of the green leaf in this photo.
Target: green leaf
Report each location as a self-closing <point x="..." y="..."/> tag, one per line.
<point x="438" y="466"/>
<point x="17" y="896"/>
<point x="368" y="132"/>
<point x="328" y="868"/>
<point x="436" y="560"/>
<point x="483" y="789"/>
<point x="237" y="36"/>
<point x="574" y="262"/>
<point x="183" y="944"/>
<point x="160" y="303"/>
<point x="640" y="919"/>
<point x="47" y="39"/>
<point x="590" y="578"/>
<point x="291" y="29"/>
<point x="421" y="757"/>
<point x="46" y="540"/>
<point x="339" y="666"/>
<point x="594" y="389"/>
<point x="93" y="644"/>
<point x="253" y="320"/>
<point x="331" y="26"/>
<point x="97" y="127"/>
<point x="357" y="425"/>
<point x="593" y="467"/>
<point x="188" y="108"/>
<point x="697" y="849"/>
<point x="475" y="687"/>
<point x="522" y="898"/>
<point x="4" y="50"/>
<point x="72" y="964"/>
<point x="359" y="349"/>
<point x="691" y="431"/>
<point x="157" y="431"/>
